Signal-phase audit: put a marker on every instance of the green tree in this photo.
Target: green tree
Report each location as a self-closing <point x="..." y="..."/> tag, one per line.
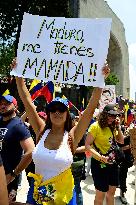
<point x="11" y="14"/>
<point x="112" y="79"/>
<point x="7" y="53"/>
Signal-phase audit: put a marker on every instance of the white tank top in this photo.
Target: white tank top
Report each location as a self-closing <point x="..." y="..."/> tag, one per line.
<point x="50" y="163"/>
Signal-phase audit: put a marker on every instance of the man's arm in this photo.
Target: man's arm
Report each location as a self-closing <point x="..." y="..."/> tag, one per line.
<point x="28" y="146"/>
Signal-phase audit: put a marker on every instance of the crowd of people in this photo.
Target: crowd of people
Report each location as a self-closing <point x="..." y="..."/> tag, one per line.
<point x="52" y="147"/>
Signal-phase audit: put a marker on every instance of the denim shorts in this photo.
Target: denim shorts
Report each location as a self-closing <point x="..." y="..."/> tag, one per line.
<point x="104" y="176"/>
<point x="31" y="200"/>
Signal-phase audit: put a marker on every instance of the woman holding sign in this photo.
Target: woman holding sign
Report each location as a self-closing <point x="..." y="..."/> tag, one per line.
<point x="56" y="143"/>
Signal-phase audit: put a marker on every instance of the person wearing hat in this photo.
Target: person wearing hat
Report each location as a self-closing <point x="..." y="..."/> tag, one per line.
<point x="56" y="143"/>
<point x="3" y="185"/>
<point x="101" y="142"/>
<point x="14" y="139"/>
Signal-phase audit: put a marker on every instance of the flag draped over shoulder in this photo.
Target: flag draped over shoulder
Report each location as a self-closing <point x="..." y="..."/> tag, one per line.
<point x="36" y="90"/>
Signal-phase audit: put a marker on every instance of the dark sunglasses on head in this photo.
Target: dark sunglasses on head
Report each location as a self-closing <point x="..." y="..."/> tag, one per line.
<point x="61" y="109"/>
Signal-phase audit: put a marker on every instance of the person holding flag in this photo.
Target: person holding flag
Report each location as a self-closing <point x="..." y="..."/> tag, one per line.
<point x="56" y="143"/>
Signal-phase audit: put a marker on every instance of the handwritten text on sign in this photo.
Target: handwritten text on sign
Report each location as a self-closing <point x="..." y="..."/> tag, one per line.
<point x="63" y="50"/>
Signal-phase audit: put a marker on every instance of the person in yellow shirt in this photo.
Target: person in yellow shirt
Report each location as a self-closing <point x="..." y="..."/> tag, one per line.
<point x="101" y="142"/>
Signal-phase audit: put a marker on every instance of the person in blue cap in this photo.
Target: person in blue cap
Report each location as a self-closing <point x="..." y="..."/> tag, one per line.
<point x="56" y="143"/>
<point x="14" y="139"/>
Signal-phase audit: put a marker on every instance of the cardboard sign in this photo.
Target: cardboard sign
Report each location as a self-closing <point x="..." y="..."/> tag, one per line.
<point x="65" y="50"/>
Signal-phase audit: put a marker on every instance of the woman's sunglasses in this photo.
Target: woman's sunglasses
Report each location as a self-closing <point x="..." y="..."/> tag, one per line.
<point x="61" y="109"/>
<point x="113" y="116"/>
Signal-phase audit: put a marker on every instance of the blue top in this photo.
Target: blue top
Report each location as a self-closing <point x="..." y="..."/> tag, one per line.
<point x="11" y="133"/>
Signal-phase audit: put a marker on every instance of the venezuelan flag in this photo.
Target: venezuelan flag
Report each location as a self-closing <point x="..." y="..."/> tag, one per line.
<point x="34" y="88"/>
<point x="46" y="91"/>
<point x="6" y="92"/>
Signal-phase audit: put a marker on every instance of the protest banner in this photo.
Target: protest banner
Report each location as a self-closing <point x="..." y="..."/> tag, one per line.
<point x="108" y="96"/>
<point x="65" y="50"/>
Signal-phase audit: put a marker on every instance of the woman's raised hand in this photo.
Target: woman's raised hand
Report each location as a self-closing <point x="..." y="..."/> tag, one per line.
<point x="13" y="65"/>
<point x="106" y="70"/>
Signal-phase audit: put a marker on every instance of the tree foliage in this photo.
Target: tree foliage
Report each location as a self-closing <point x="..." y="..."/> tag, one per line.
<point x="11" y="15"/>
<point x="112" y="79"/>
<point x="7" y="53"/>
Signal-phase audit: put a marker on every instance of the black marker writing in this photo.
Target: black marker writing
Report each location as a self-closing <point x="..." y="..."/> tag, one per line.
<point x="93" y="69"/>
<point x="61" y="33"/>
<point x="31" y="48"/>
<point x="29" y="65"/>
<point x="46" y="25"/>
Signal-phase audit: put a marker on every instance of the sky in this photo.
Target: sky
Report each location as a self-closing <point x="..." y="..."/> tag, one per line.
<point x="126" y="11"/>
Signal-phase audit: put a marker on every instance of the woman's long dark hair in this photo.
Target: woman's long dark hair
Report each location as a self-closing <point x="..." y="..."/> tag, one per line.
<point x="67" y="126"/>
<point x="103" y="121"/>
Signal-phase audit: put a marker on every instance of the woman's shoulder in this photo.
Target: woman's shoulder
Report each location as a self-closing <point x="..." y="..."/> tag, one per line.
<point x="95" y="124"/>
<point x="93" y="127"/>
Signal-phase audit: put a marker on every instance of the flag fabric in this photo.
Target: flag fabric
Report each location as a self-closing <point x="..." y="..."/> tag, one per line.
<point x="46" y="91"/>
<point x="34" y="83"/>
<point x="70" y="104"/>
<point x="126" y="110"/>
<point x="35" y="90"/>
<point x="54" y="189"/>
<point x="6" y="93"/>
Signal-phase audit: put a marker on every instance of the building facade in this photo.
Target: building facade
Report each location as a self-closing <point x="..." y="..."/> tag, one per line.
<point x="118" y="57"/>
